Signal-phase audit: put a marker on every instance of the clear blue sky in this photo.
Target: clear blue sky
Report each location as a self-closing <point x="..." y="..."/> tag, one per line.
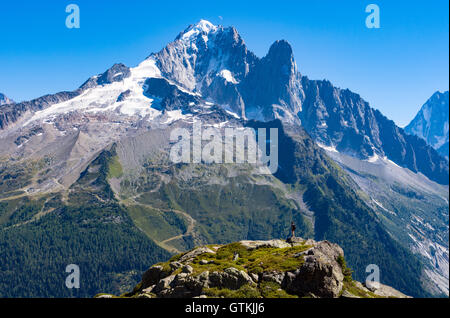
<point x="395" y="68"/>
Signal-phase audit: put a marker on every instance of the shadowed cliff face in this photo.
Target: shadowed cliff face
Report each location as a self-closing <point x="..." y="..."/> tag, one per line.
<point x="273" y="86"/>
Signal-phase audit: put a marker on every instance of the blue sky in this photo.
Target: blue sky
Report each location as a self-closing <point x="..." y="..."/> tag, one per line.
<point x="395" y="68"/>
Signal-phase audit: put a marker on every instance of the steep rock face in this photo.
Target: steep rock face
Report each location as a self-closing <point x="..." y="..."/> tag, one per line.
<point x="340" y="118"/>
<point x="202" y="51"/>
<point x="272" y="89"/>
<point x="5" y="100"/>
<point x="171" y="97"/>
<point x="215" y="62"/>
<point x="432" y="122"/>
<point x="205" y="58"/>
<point x="225" y="92"/>
<point x="275" y="268"/>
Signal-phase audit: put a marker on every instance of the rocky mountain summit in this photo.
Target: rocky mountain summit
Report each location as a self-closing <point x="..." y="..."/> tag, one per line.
<point x="253" y="269"/>
<point x="5" y="100"/>
<point x="431" y="122"/>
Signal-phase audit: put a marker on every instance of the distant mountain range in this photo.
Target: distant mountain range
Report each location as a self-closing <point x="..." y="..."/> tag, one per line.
<point x="431" y="123"/>
<point x="85" y="175"/>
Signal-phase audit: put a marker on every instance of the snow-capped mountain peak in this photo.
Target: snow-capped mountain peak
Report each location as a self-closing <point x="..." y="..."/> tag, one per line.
<point x="203" y="27"/>
<point x="200" y="54"/>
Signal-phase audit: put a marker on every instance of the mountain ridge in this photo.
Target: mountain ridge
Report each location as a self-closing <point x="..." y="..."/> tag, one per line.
<point x="337" y="118"/>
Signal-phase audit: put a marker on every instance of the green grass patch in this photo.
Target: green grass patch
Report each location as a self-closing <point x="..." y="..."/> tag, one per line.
<point x="245" y="291"/>
<point x="115" y="168"/>
<point x="273" y="290"/>
<point x="251" y="261"/>
<point x="157" y="225"/>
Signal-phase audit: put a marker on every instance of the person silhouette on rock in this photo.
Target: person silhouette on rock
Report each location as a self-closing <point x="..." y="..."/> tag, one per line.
<point x="293" y="227"/>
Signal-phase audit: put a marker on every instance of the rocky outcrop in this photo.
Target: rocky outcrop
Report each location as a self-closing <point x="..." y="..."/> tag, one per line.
<point x="320" y="274"/>
<point x="274" y="268"/>
<point x="382" y="290"/>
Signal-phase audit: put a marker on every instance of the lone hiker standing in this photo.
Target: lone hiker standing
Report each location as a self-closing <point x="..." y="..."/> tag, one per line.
<point x="293" y="229"/>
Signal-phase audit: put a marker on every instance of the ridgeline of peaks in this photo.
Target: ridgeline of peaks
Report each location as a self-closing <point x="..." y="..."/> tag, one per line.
<point x="271" y="87"/>
<point x="432" y="124"/>
<point x="214" y="63"/>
